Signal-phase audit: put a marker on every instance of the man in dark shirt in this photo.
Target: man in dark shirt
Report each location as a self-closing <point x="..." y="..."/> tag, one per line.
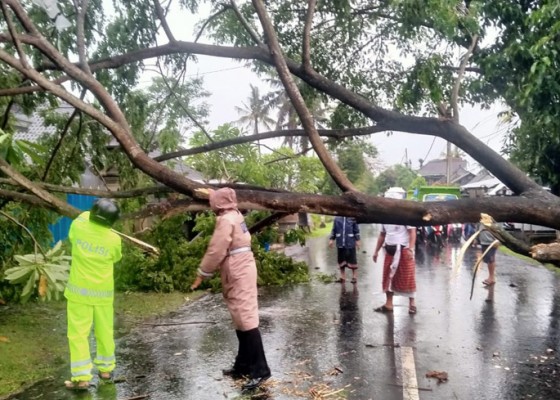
<point x="346" y="233"/>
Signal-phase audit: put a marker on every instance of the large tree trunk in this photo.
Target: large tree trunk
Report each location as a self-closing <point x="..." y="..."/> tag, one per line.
<point x="533" y="205"/>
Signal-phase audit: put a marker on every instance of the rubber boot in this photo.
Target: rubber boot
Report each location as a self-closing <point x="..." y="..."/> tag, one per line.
<point x="258" y="367"/>
<point x="241" y="365"/>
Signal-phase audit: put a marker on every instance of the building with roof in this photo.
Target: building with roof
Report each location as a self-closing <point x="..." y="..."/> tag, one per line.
<point x="435" y="171"/>
<point x="485" y="184"/>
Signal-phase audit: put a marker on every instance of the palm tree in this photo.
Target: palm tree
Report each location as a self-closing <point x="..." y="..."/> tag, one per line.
<point x="256" y="112"/>
<point x="287" y="117"/>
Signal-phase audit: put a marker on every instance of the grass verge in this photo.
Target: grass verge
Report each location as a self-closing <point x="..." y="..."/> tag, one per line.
<point x="320" y="232"/>
<point x="33" y="342"/>
<point x="529" y="260"/>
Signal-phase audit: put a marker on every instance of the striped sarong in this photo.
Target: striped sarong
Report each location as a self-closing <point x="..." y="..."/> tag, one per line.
<point x="404" y="281"/>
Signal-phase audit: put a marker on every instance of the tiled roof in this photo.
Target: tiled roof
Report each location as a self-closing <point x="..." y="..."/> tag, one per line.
<point x="32" y="128"/>
<point x="439" y="167"/>
<point x="482" y="175"/>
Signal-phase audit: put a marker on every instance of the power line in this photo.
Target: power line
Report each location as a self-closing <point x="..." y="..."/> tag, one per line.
<point x="430" y="149"/>
<point x="218" y="70"/>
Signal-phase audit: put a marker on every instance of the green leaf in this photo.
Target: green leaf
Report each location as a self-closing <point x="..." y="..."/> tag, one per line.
<point x="31" y="150"/>
<point x="57" y="267"/>
<point x="30" y="285"/>
<point x="30" y="259"/>
<point x="17" y="273"/>
<point x="56" y="248"/>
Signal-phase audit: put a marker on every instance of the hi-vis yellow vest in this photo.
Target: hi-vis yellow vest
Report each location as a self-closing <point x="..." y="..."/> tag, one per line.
<point x="94" y="251"/>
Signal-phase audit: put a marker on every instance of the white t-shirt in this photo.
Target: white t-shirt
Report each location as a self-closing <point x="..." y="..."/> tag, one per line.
<point x="396" y="234"/>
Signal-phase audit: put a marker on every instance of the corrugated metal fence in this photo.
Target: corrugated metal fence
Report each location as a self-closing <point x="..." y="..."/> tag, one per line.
<point x="60" y="229"/>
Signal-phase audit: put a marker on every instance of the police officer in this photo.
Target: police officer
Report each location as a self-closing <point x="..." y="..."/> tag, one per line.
<point x="90" y="292"/>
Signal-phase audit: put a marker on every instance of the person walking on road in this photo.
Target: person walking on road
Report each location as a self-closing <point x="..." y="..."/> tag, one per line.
<point x="399" y="267"/>
<point x="230" y="251"/>
<point x="346" y="234"/>
<point x="90" y="292"/>
<point x="486" y="239"/>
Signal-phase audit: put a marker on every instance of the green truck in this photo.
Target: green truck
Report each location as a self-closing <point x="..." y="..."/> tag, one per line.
<point x="434" y="193"/>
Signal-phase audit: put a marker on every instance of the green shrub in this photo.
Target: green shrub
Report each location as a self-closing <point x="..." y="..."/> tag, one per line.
<point x="176" y="267"/>
<point x="325" y="278"/>
<point x="275" y="269"/>
<point x="294" y="236"/>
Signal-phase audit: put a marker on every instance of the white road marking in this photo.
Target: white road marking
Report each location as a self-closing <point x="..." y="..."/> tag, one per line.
<point x="409" y="381"/>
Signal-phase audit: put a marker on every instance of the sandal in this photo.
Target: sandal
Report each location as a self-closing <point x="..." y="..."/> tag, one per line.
<point x="486" y="282"/>
<point x="340" y="280"/>
<point x="76" y="385"/>
<point x="383" y="309"/>
<point x="412" y="310"/>
<point x="354" y="280"/>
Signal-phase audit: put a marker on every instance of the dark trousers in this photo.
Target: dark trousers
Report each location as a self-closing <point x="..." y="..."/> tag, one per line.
<point x="250" y="358"/>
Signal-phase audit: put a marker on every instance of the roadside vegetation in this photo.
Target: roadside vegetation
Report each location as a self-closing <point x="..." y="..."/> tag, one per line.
<point x="146" y="287"/>
<point x="33" y="342"/>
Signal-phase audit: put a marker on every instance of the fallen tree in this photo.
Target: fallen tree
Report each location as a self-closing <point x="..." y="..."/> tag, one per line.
<point x="27" y="45"/>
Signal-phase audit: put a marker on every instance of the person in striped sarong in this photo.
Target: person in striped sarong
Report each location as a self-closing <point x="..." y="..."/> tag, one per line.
<point x="399" y="266"/>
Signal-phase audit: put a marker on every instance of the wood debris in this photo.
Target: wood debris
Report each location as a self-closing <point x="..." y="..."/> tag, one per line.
<point x="441" y="376"/>
<point x="324" y="391"/>
<point x="336" y="371"/>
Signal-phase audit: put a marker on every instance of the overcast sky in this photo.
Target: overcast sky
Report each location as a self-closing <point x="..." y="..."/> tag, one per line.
<point x="228" y="82"/>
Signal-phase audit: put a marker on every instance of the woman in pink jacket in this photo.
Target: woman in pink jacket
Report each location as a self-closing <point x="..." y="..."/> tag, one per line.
<point x="230" y="251"/>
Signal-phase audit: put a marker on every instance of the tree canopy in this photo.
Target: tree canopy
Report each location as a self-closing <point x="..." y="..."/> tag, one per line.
<point x="386" y="66"/>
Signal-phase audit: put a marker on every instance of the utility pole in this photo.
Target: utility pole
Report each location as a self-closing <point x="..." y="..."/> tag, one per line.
<point x="406" y="160"/>
<point x="448" y="169"/>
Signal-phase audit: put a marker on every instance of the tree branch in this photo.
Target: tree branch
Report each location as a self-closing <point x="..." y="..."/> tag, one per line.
<point x="510" y="175"/>
<point x="515" y="179"/>
<point x="185" y="108"/>
<point x="61" y="138"/>
<point x="14" y="36"/>
<point x="62" y="207"/>
<point x="246" y="25"/>
<point x="161" y="16"/>
<point x="306" y="47"/>
<point x="114" y="119"/>
<point x="546" y="252"/>
<point x="15" y="221"/>
<point x="297" y="100"/>
<point x="124" y="194"/>
<point x="208" y="20"/>
<point x="263" y="223"/>
<point x="81" y="9"/>
<point x="333" y="133"/>
<point x="455" y="93"/>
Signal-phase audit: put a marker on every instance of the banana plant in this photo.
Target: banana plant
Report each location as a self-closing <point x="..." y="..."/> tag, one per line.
<point x="44" y="273"/>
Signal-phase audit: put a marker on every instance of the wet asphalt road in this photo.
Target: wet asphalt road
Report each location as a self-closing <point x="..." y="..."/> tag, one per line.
<point x="326" y="339"/>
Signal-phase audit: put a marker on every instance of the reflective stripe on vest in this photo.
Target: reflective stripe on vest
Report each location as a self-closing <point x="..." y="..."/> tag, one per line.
<point x="89" y="292"/>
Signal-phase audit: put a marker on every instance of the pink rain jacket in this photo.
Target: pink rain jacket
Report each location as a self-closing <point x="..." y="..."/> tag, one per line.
<point x="238" y="271"/>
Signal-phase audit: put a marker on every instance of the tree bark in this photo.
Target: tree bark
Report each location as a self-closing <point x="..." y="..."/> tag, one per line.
<point x="533" y="206"/>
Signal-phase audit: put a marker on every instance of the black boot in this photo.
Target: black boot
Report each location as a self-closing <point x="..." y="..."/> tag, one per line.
<point x="259" y="371"/>
<point x="241" y="365"/>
